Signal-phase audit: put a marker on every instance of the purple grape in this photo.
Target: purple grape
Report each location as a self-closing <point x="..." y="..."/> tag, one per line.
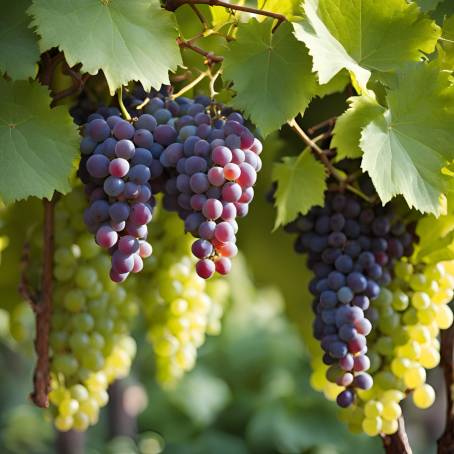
<point x="125" y="149"/>
<point x="146" y="121"/>
<point x="206" y="230"/>
<point x="128" y="245"/>
<point x="122" y="263"/>
<point x="199" y="182"/>
<point x="202" y="248"/>
<point x="212" y="209"/>
<point x="143" y="138"/>
<point x="345" y="398"/>
<point x="123" y="130"/>
<point x="119" y="167"/>
<point x="98" y="130"/>
<point x="113" y="186"/>
<point x="165" y="135"/>
<point x="140" y="214"/>
<point x="98" y="166"/>
<point x="139" y="174"/>
<point x="106" y="237"/>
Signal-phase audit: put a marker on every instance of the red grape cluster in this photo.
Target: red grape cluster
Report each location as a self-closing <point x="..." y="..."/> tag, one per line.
<point x="198" y="153"/>
<point x="351" y="248"/>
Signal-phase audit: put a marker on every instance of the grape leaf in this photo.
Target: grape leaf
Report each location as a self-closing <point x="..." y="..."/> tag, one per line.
<point x="271" y="73"/>
<point x="18" y="44"/>
<point x="291" y="9"/>
<point x="347" y="132"/>
<point x="364" y="35"/>
<point x="37" y="143"/>
<point x="436" y="239"/>
<point x="301" y="183"/>
<point x="337" y="84"/>
<point x="406" y="147"/>
<point x="133" y="40"/>
<point x="428" y="5"/>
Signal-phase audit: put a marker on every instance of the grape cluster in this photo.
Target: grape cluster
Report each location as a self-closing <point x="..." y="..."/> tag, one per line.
<point x="117" y="165"/>
<point x="179" y="306"/>
<point x="200" y="154"/>
<point x="351" y="249"/>
<point x="214" y="165"/>
<point x="90" y="344"/>
<point x="410" y="314"/>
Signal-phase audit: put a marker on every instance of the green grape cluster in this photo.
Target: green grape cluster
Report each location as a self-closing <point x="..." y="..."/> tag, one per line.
<point x="90" y="343"/>
<point x="407" y="318"/>
<point x="405" y="343"/>
<point x="180" y="307"/>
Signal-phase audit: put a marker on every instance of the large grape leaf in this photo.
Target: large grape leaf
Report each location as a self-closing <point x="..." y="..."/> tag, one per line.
<point x="347" y="132"/>
<point x="364" y="35"/>
<point x="37" y="143"/>
<point x="301" y="183"/>
<point x="406" y="147"/>
<point x="18" y="44"/>
<point x="272" y="73"/>
<point x="127" y="40"/>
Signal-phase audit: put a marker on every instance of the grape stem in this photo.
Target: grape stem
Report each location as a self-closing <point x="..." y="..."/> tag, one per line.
<point x="209" y="56"/>
<point x="173" y="5"/>
<point x="122" y="106"/>
<point x="317" y="150"/>
<point x="312" y="144"/>
<point x="190" y="85"/>
<point x="42" y="306"/>
<point x="397" y="443"/>
<point x="200" y="16"/>
<point x="446" y="441"/>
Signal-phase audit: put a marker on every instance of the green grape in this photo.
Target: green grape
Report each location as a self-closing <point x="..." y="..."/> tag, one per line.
<point x="90" y="345"/>
<point x="402" y="345"/>
<point x="179" y="306"/>
<point x="424" y="396"/>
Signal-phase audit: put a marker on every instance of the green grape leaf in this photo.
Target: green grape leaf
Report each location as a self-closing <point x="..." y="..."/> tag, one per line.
<point x="19" y="51"/>
<point x="291" y="9"/>
<point x="436" y="239"/>
<point x="428" y="5"/>
<point x="347" y="132"/>
<point x="133" y="40"/>
<point x="406" y="147"/>
<point x="271" y="74"/>
<point x="37" y="144"/>
<point x="364" y="35"/>
<point x="301" y="184"/>
<point x="335" y="85"/>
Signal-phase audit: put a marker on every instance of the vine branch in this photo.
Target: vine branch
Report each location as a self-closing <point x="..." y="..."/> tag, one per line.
<point x="446" y="441"/>
<point x="317" y="150"/>
<point x="173" y="5"/>
<point x="209" y="56"/>
<point x="190" y="85"/>
<point x="43" y="310"/>
<point x="397" y="443"/>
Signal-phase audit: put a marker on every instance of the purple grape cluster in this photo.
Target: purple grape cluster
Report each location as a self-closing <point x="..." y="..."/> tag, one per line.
<point x="198" y="153"/>
<point x="351" y="248"/>
<point x="213" y="166"/>
<point x="117" y="167"/>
